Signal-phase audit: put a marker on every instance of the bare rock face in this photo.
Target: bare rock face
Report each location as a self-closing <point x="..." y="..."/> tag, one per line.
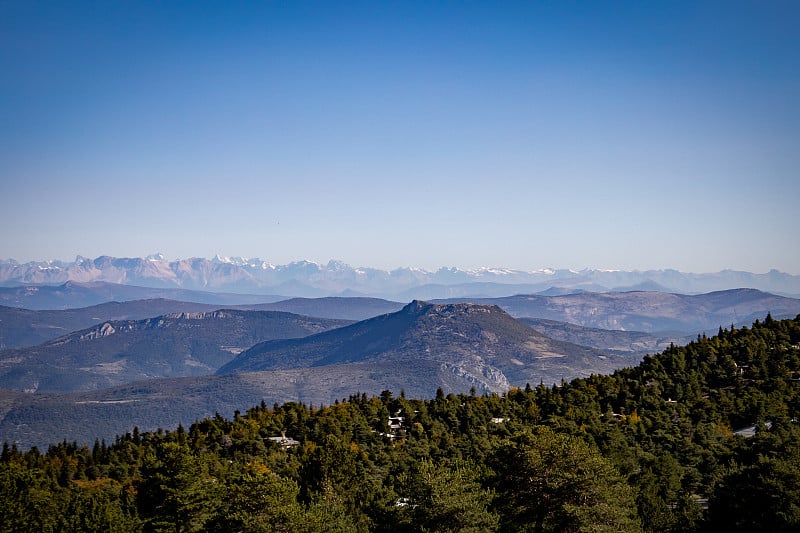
<point x="103" y="331"/>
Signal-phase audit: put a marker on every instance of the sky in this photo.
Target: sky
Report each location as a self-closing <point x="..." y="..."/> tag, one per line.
<point x="610" y="134"/>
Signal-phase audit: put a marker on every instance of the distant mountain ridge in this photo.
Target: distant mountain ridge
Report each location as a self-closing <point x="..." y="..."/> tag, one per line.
<point x="649" y="312"/>
<point x="309" y="279"/>
<point x="178" y="344"/>
<point x="618" y="342"/>
<point x="20" y="326"/>
<point x="25" y="327"/>
<point x="75" y="294"/>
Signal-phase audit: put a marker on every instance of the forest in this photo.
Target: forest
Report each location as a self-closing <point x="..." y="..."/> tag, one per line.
<point x="702" y="437"/>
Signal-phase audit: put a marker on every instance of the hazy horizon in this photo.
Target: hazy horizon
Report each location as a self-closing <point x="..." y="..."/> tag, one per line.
<point x="234" y="259"/>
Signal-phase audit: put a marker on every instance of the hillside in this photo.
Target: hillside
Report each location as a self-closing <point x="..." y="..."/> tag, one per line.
<point x="75" y="294"/>
<point x="26" y="327"/>
<point x="612" y="341"/>
<point x="351" y="308"/>
<point x="121" y="351"/>
<point x="481" y="343"/>
<point x="650" y="312"/>
<point x="40" y="419"/>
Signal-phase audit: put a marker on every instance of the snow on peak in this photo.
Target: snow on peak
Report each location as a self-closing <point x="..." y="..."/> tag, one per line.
<point x="304" y="264"/>
<point x="336" y="265"/>
<point x="492" y="270"/>
<point x="220" y="259"/>
<point x="238" y="261"/>
<point x="255" y="262"/>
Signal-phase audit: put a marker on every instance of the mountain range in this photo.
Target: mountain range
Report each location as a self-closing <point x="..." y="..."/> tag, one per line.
<point x="422" y="347"/>
<point x="173" y="345"/>
<point x="309" y="279"/>
<point x="481" y="344"/>
<point x="21" y="327"/>
<point x="100" y="370"/>
<point x="31" y="326"/>
<point x="647" y="311"/>
<point x="119" y="342"/>
<point x="617" y="342"/>
<point x="74" y="294"/>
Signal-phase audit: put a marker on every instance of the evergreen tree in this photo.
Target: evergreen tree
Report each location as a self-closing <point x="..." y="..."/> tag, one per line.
<point x="553" y="482"/>
<point x="448" y="500"/>
<point x="176" y="493"/>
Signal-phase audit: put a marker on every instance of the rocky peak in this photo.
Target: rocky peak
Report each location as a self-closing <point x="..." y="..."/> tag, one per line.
<point x="418" y="307"/>
<point x="102" y="331"/>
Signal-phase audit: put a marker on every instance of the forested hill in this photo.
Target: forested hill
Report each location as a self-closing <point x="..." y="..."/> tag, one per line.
<point x="656" y="447"/>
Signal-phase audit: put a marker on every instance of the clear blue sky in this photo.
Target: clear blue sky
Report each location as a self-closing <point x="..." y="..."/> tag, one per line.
<point x="622" y="134"/>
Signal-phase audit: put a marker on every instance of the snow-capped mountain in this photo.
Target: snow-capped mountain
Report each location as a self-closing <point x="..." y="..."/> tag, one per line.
<point x="310" y="279"/>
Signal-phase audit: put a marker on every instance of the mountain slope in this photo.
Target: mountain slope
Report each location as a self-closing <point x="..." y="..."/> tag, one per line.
<point x="608" y="341"/>
<point x="73" y="294"/>
<point x="651" y="311"/>
<point x="41" y="419"/>
<point x="116" y="352"/>
<point x="24" y="327"/>
<point x="352" y="308"/>
<point x="482" y="344"/>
